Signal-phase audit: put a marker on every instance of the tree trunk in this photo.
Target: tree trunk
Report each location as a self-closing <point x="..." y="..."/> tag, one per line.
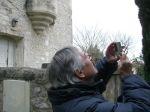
<point x="144" y="16"/>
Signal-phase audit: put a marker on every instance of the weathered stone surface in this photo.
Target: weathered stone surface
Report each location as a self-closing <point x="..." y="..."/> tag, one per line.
<point x="38" y="84"/>
<point x="41" y="13"/>
<point x="16" y="96"/>
<point x="40" y="103"/>
<point x="31" y="49"/>
<point x="113" y="89"/>
<point x="22" y="73"/>
<point x="39" y="98"/>
<point x="38" y="90"/>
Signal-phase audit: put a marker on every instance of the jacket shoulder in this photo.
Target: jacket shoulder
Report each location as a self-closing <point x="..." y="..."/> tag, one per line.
<point x="82" y="104"/>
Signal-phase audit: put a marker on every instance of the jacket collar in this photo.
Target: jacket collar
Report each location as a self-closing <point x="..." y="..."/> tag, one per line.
<point x="62" y="94"/>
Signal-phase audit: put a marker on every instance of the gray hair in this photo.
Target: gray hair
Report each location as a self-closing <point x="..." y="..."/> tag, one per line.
<point x="62" y="67"/>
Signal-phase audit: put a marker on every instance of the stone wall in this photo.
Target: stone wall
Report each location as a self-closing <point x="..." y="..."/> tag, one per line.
<point x="33" y="49"/>
<point x="113" y="88"/>
<point x="38" y="84"/>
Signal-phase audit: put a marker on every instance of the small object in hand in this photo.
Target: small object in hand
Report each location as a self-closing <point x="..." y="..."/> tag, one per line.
<point x="111" y="53"/>
<point x="118" y="49"/>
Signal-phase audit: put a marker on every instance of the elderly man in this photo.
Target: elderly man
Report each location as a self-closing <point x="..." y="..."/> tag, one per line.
<point x="77" y="85"/>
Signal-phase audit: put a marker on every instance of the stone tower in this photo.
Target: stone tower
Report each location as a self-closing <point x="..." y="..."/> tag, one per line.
<point x="31" y="31"/>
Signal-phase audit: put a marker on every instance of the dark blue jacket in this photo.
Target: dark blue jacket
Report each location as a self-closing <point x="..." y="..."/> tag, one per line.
<point x="86" y="97"/>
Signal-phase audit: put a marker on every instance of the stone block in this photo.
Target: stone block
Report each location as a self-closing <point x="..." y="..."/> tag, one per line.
<point x="16" y="96"/>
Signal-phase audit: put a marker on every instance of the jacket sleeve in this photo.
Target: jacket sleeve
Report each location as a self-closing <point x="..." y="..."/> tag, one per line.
<point x="103" y="66"/>
<point x="136" y="94"/>
<point x="105" y="69"/>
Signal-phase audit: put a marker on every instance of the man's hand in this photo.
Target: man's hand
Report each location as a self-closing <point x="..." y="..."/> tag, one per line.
<point x="111" y="53"/>
<point x="125" y="66"/>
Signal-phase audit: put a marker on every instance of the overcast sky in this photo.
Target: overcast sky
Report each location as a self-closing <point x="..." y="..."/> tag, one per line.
<point x="110" y="16"/>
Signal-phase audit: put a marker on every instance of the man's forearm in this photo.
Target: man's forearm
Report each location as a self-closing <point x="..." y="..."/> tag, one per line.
<point x="106" y="69"/>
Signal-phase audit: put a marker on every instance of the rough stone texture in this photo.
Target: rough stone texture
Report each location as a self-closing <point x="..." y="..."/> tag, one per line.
<point x="33" y="49"/>
<point x="113" y="89"/>
<point x="39" y="86"/>
<point x="16" y="96"/>
<point x="21" y="73"/>
<point x="54" y="38"/>
<point x="41" y="13"/>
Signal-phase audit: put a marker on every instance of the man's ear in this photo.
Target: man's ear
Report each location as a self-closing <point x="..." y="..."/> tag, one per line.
<point x="79" y="74"/>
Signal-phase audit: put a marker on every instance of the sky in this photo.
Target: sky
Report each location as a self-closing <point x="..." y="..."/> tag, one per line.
<point x="111" y="16"/>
